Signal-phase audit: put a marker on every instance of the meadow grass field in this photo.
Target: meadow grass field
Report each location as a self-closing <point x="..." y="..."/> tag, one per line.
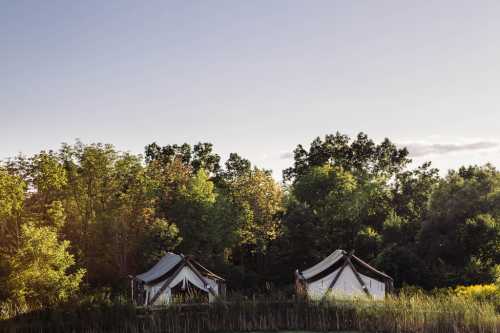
<point x="415" y="313"/>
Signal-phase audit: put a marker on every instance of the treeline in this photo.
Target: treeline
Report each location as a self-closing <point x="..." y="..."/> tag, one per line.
<point x="88" y="216"/>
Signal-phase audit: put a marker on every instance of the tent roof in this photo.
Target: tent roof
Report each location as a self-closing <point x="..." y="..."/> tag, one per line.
<point x="169" y="262"/>
<point x="162" y="267"/>
<point x="334" y="257"/>
<point x="323" y="264"/>
<point x="371" y="268"/>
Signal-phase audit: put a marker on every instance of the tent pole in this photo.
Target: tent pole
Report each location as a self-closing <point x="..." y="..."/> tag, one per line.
<point x="336" y="278"/>
<point x="360" y="280"/>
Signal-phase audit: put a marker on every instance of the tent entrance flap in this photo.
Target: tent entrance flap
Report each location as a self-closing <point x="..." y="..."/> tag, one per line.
<point x="175" y="271"/>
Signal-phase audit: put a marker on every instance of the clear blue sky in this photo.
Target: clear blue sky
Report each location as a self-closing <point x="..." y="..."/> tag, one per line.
<point x="254" y="77"/>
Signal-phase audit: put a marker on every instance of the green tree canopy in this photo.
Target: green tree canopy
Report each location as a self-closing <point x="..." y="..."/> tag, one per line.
<point x="39" y="269"/>
<point x="461" y="232"/>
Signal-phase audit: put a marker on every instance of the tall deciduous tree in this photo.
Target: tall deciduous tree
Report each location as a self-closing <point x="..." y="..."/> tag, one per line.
<point x="361" y="155"/>
<point x="39" y="269"/>
<point x="34" y="262"/>
<point x="360" y="195"/>
<point x="201" y="156"/>
<point x="12" y="196"/>
<point x="461" y="236"/>
<point x="203" y="217"/>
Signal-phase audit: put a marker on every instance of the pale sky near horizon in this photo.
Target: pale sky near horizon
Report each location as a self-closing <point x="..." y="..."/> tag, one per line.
<point x="253" y="77"/>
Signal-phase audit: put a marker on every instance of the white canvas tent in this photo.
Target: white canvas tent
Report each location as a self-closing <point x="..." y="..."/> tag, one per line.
<point x="174" y="271"/>
<point x="343" y="274"/>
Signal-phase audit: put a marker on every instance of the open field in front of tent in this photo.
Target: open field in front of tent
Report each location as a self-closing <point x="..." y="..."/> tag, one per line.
<point x="417" y="313"/>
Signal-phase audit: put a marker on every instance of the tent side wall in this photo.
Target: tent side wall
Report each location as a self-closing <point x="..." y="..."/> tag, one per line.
<point x="319" y="288"/>
<point x="348" y="285"/>
<point x="345" y="281"/>
<point x="375" y="287"/>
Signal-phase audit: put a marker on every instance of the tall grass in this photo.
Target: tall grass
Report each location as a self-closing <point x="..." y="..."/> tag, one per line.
<point x="423" y="313"/>
<point x="398" y="314"/>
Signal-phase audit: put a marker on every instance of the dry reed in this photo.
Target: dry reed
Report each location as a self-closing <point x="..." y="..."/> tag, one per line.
<point x="402" y="314"/>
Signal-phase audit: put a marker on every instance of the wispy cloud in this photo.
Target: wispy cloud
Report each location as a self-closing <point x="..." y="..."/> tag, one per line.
<point x="422" y="149"/>
<point x="286" y="155"/>
<point x="419" y="149"/>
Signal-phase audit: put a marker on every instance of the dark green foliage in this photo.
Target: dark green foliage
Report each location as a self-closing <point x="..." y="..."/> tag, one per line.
<point x="118" y="213"/>
<point x="356" y="195"/>
<point x="199" y="157"/>
<point x="462" y="231"/>
<point x="360" y="155"/>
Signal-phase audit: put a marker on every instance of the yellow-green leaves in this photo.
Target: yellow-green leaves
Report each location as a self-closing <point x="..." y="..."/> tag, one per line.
<point x="12" y="193"/>
<point x="39" y="269"/>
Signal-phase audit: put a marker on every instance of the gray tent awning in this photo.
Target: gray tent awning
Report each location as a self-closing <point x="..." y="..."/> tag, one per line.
<point x="169" y="261"/>
<point x="323" y="264"/>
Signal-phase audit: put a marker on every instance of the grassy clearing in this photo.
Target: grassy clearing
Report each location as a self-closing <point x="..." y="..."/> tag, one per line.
<point x="403" y="314"/>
